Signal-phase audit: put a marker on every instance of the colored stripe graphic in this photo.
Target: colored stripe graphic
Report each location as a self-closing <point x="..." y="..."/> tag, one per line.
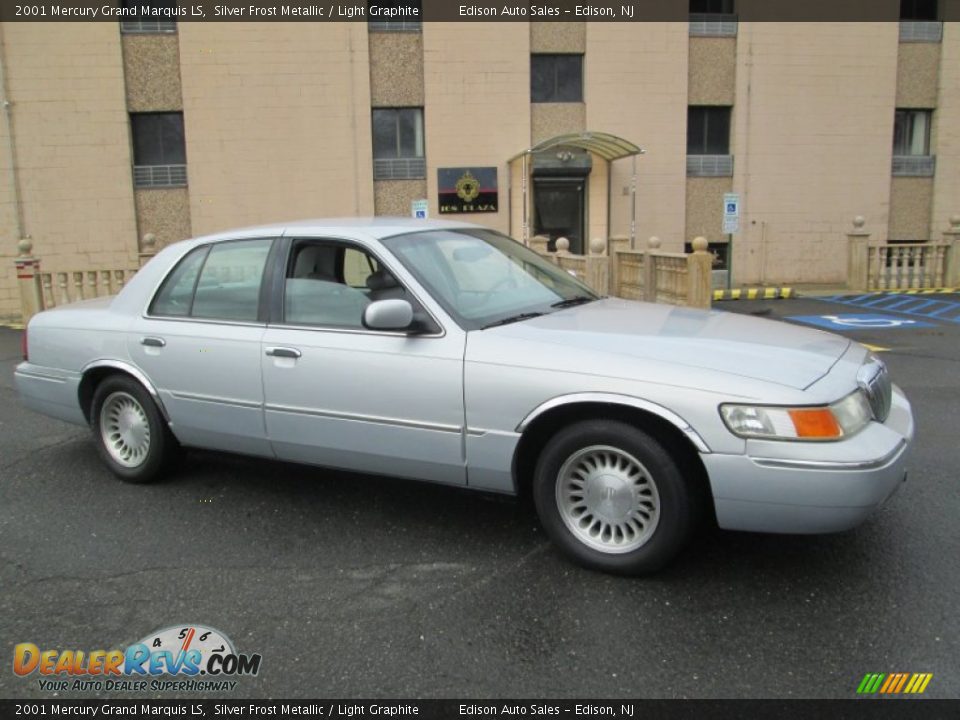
<point x="894" y="683"/>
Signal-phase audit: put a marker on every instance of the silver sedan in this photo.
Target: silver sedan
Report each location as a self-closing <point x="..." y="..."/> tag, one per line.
<point x="449" y="353"/>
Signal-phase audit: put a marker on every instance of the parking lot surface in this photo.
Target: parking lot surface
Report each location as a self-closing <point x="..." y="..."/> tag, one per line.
<point x="355" y="586"/>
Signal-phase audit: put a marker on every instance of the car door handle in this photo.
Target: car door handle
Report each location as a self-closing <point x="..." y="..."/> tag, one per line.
<point x="153" y="342"/>
<point x="283" y="352"/>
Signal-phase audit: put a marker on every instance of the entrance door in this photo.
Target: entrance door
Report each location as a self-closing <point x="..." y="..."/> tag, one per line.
<point x="558" y="210"/>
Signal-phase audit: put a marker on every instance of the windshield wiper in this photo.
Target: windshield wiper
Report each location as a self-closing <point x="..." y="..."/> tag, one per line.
<point x="578" y="300"/>
<point x="512" y="319"/>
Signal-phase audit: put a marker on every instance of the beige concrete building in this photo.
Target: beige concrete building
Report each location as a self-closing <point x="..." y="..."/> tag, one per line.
<point x="116" y="132"/>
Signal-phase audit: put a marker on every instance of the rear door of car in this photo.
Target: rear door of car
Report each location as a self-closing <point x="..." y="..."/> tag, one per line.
<point x="199" y="342"/>
<point x="340" y="395"/>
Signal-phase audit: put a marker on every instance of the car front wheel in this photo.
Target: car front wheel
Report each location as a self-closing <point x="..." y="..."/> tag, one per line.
<point x="132" y="438"/>
<point x="612" y="497"/>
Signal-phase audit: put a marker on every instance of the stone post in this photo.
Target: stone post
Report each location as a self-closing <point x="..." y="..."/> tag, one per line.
<point x="650" y="269"/>
<point x="614" y="245"/>
<point x="699" y="265"/>
<point x="598" y="267"/>
<point x="951" y="276"/>
<point x="539" y="243"/>
<point x="148" y="248"/>
<point x="858" y="256"/>
<point x="28" y="279"/>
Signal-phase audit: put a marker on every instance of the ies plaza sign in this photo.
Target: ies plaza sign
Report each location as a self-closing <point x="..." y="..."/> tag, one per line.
<point x="467" y="190"/>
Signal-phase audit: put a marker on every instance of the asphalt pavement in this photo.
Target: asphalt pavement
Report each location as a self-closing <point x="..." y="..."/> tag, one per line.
<point x="352" y="586"/>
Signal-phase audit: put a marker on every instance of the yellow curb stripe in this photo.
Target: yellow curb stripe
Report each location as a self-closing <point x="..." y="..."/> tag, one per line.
<point x="913" y="681"/>
<point x="926" y="681"/>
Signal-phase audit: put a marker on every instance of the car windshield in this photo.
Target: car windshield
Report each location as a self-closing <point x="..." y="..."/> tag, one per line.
<point x="483" y="278"/>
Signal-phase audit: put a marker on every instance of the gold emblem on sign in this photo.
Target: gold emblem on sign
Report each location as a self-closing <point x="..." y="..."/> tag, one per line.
<point x="468" y="187"/>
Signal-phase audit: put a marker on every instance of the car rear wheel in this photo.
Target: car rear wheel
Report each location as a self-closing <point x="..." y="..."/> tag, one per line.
<point x="613" y="498"/>
<point x="132" y="438"/>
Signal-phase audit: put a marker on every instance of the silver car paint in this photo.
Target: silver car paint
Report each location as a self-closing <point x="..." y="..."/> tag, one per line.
<point x="451" y="408"/>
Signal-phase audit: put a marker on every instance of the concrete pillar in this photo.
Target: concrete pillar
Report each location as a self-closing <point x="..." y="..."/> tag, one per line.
<point x="28" y="279"/>
<point x="858" y="256"/>
<point x="538" y="243"/>
<point x="650" y="270"/>
<point x="951" y="277"/>
<point x="598" y="267"/>
<point x="148" y="248"/>
<point x="699" y="265"/>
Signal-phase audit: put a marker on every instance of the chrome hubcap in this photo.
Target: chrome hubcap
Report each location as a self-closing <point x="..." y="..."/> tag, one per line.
<point x="607" y="499"/>
<point x="125" y="429"/>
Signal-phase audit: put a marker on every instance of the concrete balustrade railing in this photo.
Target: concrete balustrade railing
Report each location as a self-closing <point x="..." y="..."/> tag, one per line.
<point x="874" y="266"/>
<point x="650" y="274"/>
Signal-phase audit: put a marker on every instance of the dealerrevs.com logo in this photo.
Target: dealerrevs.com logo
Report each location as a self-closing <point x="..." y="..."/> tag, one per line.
<point x="176" y="658"/>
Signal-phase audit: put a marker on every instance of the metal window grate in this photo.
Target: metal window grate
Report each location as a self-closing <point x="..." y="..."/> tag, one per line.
<point x="148" y="26"/>
<point x="710" y="165"/>
<point x="921" y="31"/>
<point x="159" y="175"/>
<point x="399" y="169"/>
<point x="410" y="26"/>
<point x="713" y="25"/>
<point x="914" y="165"/>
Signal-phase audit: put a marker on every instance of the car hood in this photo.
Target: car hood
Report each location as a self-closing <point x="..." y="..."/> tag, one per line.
<point x="740" y="345"/>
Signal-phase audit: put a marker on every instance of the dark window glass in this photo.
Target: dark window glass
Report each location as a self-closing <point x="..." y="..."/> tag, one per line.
<point x="158" y="139"/>
<point x="712" y="7"/>
<point x="708" y="130"/>
<point x="397" y="133"/>
<point x="176" y="294"/>
<point x="918" y="9"/>
<point x="911" y="132"/>
<point x="229" y="286"/>
<point x="556" y="78"/>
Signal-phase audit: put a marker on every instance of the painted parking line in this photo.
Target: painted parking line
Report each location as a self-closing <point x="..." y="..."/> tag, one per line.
<point x="849" y="321"/>
<point x="919" y="306"/>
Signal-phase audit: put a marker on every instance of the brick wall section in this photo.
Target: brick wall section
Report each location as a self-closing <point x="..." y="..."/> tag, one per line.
<point x="636" y="87"/>
<point x="277" y="122"/>
<point x="946" y="132"/>
<point x="812" y="142"/>
<point x="65" y="81"/>
<point x="477" y="91"/>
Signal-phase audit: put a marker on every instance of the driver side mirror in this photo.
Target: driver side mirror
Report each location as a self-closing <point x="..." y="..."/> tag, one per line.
<point x="394" y="314"/>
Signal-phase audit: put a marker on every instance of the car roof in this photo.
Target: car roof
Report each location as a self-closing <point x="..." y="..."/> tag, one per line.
<point x="367" y="227"/>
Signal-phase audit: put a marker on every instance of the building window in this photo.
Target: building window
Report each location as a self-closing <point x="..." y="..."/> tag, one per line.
<point x="918" y="9"/>
<point x="398" y="144"/>
<point x="556" y="78"/>
<point x="402" y="23"/>
<point x="712" y="18"/>
<point x="147" y="22"/>
<point x="911" y="144"/>
<point x="159" y="154"/>
<point x="708" y="141"/>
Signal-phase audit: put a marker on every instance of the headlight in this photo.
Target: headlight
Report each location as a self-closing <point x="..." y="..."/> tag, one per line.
<point x="831" y="422"/>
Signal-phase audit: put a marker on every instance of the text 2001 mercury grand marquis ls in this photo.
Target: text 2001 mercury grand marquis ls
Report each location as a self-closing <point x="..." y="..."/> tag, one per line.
<point x="449" y="353"/>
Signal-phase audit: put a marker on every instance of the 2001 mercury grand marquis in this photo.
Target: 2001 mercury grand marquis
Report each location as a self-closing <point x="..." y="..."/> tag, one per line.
<point x="450" y="353"/>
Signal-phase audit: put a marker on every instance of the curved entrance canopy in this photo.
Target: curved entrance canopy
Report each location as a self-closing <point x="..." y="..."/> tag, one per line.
<point x="609" y="147"/>
<point x="604" y="145"/>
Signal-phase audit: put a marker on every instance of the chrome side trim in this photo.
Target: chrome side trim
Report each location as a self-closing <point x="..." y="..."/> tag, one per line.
<point x="832" y="464"/>
<point x="356" y="417"/>
<point x="218" y="400"/>
<point x="136" y="372"/>
<point x="614" y="399"/>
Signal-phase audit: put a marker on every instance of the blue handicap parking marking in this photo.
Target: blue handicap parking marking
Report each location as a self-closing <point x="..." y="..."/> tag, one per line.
<point x="860" y="322"/>
<point x="921" y="305"/>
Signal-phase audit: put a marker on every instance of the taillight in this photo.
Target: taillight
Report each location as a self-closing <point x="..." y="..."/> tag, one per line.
<point x="24" y="346"/>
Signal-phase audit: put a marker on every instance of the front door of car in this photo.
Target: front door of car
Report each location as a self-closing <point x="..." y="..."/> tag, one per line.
<point x="199" y="343"/>
<point x="339" y="395"/>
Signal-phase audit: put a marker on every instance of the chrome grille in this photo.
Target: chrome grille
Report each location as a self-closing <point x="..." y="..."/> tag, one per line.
<point x="875" y="381"/>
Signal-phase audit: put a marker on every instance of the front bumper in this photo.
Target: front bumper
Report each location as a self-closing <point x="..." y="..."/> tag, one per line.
<point x="792" y="487"/>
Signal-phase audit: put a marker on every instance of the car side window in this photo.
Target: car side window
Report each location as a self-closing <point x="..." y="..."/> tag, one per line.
<point x="330" y="284"/>
<point x="229" y="285"/>
<point x="176" y="294"/>
<point x="218" y="282"/>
